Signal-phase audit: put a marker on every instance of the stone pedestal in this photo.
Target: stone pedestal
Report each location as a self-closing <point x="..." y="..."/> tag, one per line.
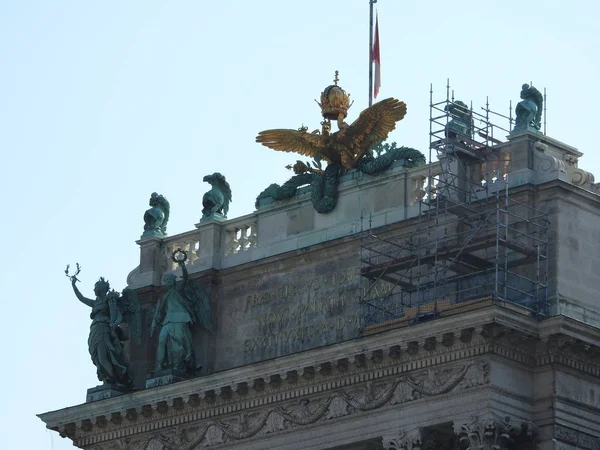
<point x="548" y="158"/>
<point x="149" y="234"/>
<point x="104" y="391"/>
<point x="209" y="243"/>
<point x="217" y="217"/>
<point x="165" y="377"/>
<point x="150" y="258"/>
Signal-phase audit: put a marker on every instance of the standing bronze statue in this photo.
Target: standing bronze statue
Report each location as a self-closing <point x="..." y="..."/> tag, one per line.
<point x="183" y="306"/>
<point x="105" y="342"/>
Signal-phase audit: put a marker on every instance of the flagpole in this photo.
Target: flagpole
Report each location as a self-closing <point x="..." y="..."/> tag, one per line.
<point x="371" y="51"/>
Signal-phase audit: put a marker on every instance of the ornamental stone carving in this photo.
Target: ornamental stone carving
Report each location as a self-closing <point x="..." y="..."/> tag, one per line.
<point x="338" y="407"/>
<point x="369" y="397"/>
<point x="581" y="178"/>
<point x="476" y="375"/>
<point x="403" y="441"/>
<point x="492" y="433"/>
<point x="155" y="444"/>
<point x="274" y="423"/>
<point x="214" y="435"/>
<point x="546" y="163"/>
<point x="575" y="439"/>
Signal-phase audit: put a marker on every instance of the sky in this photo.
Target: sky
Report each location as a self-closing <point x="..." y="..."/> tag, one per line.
<point x="103" y="103"/>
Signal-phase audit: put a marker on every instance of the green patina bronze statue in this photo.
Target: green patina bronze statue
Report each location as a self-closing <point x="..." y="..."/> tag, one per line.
<point x="109" y="310"/>
<point x="215" y="202"/>
<point x="324" y="182"/>
<point x="183" y="306"/>
<point x="529" y="110"/>
<point x="461" y="124"/>
<point x="157" y="217"/>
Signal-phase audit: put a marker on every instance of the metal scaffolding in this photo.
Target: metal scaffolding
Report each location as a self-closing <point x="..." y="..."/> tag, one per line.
<point x="473" y="242"/>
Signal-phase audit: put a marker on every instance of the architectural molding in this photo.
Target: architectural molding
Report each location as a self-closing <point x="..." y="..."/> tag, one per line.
<point x="309" y="411"/>
<point x="576" y="438"/>
<point x="388" y="352"/>
<point x="383" y="357"/>
<point x="571" y="352"/>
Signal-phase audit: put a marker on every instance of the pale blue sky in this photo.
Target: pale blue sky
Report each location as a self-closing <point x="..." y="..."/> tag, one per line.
<point x="102" y="103"/>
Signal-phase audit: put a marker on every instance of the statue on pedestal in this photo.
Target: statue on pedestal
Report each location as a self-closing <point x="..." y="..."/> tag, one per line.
<point x="157" y="217"/>
<point x="183" y="306"/>
<point x="215" y="202"/>
<point x="529" y="110"/>
<point x="461" y="124"/>
<point x="109" y="310"/>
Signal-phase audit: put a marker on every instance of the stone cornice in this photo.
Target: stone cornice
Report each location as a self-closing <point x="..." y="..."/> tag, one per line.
<point x="419" y="346"/>
<point x="573" y="189"/>
<point x="357" y="394"/>
<point x="490" y="330"/>
<point x="570" y="327"/>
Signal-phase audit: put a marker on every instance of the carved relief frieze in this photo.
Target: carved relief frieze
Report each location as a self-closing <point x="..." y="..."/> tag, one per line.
<point x="571" y="352"/>
<point x="307" y="411"/>
<point x="576" y="438"/>
<point x="348" y="373"/>
<point x="211" y="402"/>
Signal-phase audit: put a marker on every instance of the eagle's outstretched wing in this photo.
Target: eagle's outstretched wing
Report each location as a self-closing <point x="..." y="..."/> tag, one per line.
<point x="376" y="122"/>
<point x="306" y="144"/>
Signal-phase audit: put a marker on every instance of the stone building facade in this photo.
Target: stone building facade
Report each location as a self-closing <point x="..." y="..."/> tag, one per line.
<point x="293" y="365"/>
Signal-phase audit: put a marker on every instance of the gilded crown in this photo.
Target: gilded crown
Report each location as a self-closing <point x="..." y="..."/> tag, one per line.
<point x="334" y="101"/>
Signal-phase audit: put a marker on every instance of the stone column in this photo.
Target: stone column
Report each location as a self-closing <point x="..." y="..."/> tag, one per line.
<point x="492" y="433"/>
<point x="403" y="441"/>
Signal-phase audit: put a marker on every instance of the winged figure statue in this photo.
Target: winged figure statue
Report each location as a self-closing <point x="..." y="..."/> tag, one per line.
<point x="110" y="310"/>
<point x="185" y="305"/>
<point x="346" y="146"/>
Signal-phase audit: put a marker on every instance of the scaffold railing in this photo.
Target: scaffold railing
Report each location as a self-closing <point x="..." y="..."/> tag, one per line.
<point x="473" y="241"/>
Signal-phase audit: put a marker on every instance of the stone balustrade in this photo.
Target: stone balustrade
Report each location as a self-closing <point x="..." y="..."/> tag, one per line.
<point x="364" y="201"/>
<point x="205" y="246"/>
<point x="279" y="227"/>
<point x="241" y="235"/>
<point x="188" y="242"/>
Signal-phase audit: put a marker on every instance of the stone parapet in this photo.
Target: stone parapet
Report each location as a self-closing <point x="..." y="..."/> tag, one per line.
<point x="364" y="202"/>
<point x="283" y="226"/>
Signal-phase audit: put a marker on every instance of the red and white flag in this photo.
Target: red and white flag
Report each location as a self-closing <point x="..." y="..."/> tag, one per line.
<point x="377" y="60"/>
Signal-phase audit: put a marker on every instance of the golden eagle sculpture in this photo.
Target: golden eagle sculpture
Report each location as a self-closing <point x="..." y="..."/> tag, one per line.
<point x="346" y="146"/>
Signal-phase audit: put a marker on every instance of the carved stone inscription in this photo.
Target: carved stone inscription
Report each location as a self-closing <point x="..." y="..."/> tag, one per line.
<point x="297" y="312"/>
